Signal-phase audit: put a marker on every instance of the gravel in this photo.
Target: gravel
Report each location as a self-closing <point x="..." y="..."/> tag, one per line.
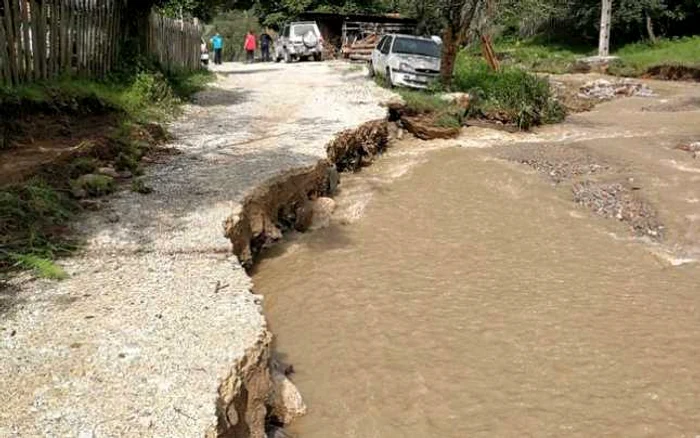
<point x="156" y="311"/>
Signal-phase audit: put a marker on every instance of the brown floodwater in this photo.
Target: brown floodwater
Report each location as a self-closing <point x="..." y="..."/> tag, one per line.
<point x="460" y="295"/>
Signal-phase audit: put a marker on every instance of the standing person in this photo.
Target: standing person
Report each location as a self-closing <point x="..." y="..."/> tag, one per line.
<point x="249" y="46"/>
<point x="265" y="43"/>
<point x="217" y="43"/>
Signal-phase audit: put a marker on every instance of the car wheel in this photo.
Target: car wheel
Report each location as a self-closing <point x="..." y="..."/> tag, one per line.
<point x="389" y="81"/>
<point x="287" y="57"/>
<point x="318" y="57"/>
<point x="370" y="69"/>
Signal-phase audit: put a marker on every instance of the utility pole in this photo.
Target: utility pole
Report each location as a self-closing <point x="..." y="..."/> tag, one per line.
<point x="605" y="24"/>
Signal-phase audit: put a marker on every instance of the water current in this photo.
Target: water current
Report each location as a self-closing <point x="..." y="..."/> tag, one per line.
<point x="460" y="295"/>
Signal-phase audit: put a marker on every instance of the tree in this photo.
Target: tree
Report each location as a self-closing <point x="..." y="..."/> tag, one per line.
<point x="459" y="17"/>
<point x="605" y="24"/>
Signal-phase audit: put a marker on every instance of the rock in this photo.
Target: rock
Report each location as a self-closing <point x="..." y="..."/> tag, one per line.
<point x="321" y="212"/>
<point x="424" y="128"/>
<point x="277" y="432"/>
<point x="93" y="185"/>
<point x="286" y="401"/>
<point x="113" y="217"/>
<point x="78" y="193"/>
<point x="108" y="171"/>
<point x="333" y="179"/>
<point x="125" y="174"/>
<point x="460" y="99"/>
<point x="304" y="216"/>
<point x="90" y="204"/>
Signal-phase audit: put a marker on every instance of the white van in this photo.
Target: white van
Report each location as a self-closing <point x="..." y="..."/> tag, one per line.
<point x="299" y="40"/>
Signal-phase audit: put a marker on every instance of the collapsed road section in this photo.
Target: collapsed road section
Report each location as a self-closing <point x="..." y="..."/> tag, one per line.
<point x="156" y="332"/>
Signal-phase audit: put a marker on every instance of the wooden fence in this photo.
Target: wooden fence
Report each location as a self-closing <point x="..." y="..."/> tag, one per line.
<point x="43" y="39"/>
<point x="175" y="43"/>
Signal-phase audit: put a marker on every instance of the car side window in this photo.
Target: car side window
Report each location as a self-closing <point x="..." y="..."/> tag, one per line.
<point x="387" y="45"/>
<point x="380" y="46"/>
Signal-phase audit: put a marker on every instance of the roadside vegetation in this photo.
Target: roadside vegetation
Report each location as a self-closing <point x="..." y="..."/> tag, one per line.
<point x="510" y="97"/>
<point x="36" y="209"/>
<point x="635" y="59"/>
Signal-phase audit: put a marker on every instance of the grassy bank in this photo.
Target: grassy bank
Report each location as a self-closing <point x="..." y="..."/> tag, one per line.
<point x="635" y="59"/>
<point x="510" y="97"/>
<point x="36" y="212"/>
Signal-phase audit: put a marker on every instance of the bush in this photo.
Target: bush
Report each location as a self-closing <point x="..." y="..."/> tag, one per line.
<point x="510" y="95"/>
<point x="94" y="185"/>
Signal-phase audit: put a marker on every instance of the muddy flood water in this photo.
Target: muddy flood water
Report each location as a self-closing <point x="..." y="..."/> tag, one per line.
<point x="459" y="294"/>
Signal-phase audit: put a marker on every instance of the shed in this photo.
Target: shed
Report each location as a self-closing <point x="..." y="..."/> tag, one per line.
<point x="342" y="29"/>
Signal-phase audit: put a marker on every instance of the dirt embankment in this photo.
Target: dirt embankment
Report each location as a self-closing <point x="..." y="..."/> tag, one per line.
<point x="286" y="202"/>
<point x="258" y="397"/>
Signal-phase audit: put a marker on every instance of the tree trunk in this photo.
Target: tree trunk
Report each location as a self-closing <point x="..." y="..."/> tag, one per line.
<point x="650" y="28"/>
<point x="450" y="46"/>
<point x="605" y="23"/>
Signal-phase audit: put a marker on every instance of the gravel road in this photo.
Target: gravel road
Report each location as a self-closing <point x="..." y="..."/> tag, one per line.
<point x="156" y="311"/>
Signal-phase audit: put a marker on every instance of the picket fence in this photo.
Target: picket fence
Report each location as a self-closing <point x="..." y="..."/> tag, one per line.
<point x="43" y="39"/>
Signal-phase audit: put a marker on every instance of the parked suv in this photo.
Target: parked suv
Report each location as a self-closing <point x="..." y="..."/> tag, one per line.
<point x="406" y="60"/>
<point x="299" y="40"/>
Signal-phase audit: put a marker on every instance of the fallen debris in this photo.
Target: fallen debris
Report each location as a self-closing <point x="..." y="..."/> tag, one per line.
<point x="603" y="89"/>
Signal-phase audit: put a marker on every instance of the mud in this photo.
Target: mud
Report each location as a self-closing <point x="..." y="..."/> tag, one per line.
<point x="283" y="203"/>
<point x="674" y="73"/>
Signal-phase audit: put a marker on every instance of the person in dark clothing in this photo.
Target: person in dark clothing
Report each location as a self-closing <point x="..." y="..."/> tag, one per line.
<point x="265" y="44"/>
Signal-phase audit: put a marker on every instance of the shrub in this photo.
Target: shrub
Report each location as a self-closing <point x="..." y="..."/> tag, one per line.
<point x="82" y="166"/>
<point x="510" y="95"/>
<point x="94" y="185"/>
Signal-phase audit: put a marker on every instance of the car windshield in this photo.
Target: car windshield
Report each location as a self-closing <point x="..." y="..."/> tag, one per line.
<point x="303" y="29"/>
<point x="413" y="46"/>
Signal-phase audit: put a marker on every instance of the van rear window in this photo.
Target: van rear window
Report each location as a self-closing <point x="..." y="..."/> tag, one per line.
<point x="303" y="29"/>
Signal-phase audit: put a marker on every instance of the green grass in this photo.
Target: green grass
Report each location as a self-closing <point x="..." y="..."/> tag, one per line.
<point x="537" y="56"/>
<point x="35" y="215"/>
<point x="510" y="95"/>
<point x="33" y="222"/>
<point x="638" y="58"/>
<point x="143" y="96"/>
<point x="635" y="59"/>
<point x="42" y="267"/>
<point x="445" y="113"/>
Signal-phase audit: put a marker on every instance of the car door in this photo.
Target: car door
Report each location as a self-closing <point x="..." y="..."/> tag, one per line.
<point x="384" y="54"/>
<point x="376" y="53"/>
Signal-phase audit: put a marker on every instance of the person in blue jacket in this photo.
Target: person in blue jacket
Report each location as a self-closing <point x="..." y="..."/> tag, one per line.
<point x="217" y="43"/>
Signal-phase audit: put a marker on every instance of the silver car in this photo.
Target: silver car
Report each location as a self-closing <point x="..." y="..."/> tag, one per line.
<point x="299" y="40"/>
<point x="406" y="60"/>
